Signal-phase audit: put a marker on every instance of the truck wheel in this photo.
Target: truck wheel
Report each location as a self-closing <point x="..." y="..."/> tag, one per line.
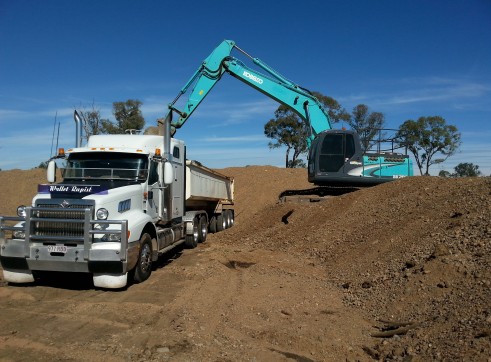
<point x="221" y="223"/>
<point x="231" y="218"/>
<point x="191" y="241"/>
<point x="143" y="267"/>
<point x="213" y="224"/>
<point x="227" y="215"/>
<point x="203" y="229"/>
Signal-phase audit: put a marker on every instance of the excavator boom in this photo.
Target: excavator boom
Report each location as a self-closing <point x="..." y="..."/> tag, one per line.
<point x="272" y="84"/>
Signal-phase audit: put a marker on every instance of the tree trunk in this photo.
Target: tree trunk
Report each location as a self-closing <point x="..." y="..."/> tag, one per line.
<point x="287" y="156"/>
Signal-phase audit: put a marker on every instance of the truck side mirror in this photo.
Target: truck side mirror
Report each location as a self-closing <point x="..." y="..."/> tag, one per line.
<point x="51" y="171"/>
<point x="168" y="173"/>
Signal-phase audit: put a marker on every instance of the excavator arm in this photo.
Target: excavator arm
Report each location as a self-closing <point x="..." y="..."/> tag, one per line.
<point x="272" y="84"/>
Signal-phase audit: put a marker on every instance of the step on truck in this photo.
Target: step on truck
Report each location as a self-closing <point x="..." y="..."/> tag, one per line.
<point x="124" y="200"/>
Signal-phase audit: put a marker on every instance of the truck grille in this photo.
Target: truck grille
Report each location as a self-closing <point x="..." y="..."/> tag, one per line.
<point x="60" y="220"/>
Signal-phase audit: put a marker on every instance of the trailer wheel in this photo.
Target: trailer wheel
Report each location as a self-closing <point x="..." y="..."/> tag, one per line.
<point x="229" y="218"/>
<point x="221" y="222"/>
<point x="143" y="267"/>
<point x="191" y="241"/>
<point x="212" y="226"/>
<point x="203" y="229"/>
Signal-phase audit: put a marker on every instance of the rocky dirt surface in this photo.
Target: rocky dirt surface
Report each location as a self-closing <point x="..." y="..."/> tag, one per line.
<point x="398" y="272"/>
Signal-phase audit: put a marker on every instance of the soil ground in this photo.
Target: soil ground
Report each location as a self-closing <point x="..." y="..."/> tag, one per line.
<point x="398" y="272"/>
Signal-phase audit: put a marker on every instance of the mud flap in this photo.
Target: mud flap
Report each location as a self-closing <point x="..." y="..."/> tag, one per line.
<point x="20" y="276"/>
<point x="110" y="281"/>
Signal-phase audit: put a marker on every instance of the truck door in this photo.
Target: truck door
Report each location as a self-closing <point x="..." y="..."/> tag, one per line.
<point x="178" y="187"/>
<point x="153" y="191"/>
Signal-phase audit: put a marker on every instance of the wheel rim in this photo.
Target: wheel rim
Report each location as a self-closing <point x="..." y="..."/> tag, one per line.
<point x="195" y="230"/>
<point x="145" y="258"/>
<point x="204" y="229"/>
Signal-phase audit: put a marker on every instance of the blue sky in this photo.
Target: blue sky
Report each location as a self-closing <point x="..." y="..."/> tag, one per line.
<point x="405" y="59"/>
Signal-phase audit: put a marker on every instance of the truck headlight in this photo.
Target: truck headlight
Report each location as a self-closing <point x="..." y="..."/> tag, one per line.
<point x="21" y="211"/>
<point x="102" y="214"/>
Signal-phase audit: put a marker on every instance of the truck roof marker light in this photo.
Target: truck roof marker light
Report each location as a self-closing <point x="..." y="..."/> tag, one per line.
<point x="139" y="150"/>
<point x="111" y="148"/>
<point x="102" y="148"/>
<point x="61" y="152"/>
<point x="93" y="149"/>
<point x="157" y="152"/>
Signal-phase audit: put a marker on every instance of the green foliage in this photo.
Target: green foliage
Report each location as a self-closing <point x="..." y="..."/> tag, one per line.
<point x="128" y="117"/>
<point x="43" y="165"/>
<point x="444" y="173"/>
<point x="367" y="124"/>
<point x="428" y="137"/>
<point x="334" y="110"/>
<point x="465" y="169"/>
<point x="298" y="163"/>
<point x="287" y="129"/>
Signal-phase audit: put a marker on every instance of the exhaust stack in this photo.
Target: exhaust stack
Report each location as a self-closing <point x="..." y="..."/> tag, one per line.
<point x="78" y="129"/>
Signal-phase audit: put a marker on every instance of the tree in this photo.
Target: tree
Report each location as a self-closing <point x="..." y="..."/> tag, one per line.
<point x="444" y="173"/>
<point x="287" y="129"/>
<point x="128" y="117"/>
<point x="427" y="138"/>
<point x="92" y="121"/>
<point x="334" y="110"/>
<point x="367" y="124"/>
<point x="465" y="169"/>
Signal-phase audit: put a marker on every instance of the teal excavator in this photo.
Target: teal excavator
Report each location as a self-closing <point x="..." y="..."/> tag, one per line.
<point x="336" y="157"/>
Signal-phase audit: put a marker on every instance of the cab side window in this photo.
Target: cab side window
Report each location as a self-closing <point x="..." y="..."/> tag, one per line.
<point x="154" y="176"/>
<point x="176" y="152"/>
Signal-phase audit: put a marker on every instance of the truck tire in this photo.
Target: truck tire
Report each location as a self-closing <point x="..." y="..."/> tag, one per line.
<point x="143" y="267"/>
<point x="212" y="226"/>
<point x="191" y="241"/>
<point x="221" y="223"/>
<point x="203" y="229"/>
<point x="229" y="218"/>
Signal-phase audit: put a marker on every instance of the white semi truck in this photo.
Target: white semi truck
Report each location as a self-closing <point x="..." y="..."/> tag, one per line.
<point x="124" y="200"/>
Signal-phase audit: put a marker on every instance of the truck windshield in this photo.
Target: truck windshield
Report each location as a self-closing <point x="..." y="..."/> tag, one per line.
<point x="106" y="165"/>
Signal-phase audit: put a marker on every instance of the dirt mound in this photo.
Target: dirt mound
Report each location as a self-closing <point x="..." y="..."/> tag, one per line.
<point x="415" y="251"/>
<point x="400" y="271"/>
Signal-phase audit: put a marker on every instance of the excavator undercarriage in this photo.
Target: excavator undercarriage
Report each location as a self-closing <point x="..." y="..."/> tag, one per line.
<point x="315" y="194"/>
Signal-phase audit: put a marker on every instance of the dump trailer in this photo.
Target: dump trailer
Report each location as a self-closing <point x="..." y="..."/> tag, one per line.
<point x="124" y="200"/>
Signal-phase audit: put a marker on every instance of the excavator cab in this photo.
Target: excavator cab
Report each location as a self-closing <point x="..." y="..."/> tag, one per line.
<point x="336" y="158"/>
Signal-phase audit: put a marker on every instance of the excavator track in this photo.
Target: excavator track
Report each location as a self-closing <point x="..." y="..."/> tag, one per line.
<point x="315" y="194"/>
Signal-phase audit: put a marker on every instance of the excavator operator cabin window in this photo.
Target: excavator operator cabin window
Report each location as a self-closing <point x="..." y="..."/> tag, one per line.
<point x="350" y="146"/>
<point x="331" y="157"/>
<point x="336" y="149"/>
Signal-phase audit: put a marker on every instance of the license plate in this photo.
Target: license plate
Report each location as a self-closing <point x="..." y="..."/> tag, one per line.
<point x="57" y="249"/>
